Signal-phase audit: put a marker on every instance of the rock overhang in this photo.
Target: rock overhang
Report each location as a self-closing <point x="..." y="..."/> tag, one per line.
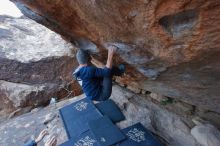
<point x="170" y="47"/>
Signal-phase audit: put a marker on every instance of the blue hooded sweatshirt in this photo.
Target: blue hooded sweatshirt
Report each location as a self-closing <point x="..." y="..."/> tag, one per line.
<point x="91" y="78"/>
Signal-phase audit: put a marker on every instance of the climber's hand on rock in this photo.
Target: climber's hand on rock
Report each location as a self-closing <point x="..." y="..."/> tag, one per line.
<point x="51" y="142"/>
<point x="41" y="135"/>
<point x="112" y="49"/>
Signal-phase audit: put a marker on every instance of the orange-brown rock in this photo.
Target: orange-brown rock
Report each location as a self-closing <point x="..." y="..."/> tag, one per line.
<point x="171" y="47"/>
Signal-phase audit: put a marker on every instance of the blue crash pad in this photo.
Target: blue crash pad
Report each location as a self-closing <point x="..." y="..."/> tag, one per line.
<point x="76" y="116"/>
<point x="138" y="135"/>
<point x="105" y="132"/>
<point x="78" y="108"/>
<point x="110" y="109"/>
<point x="85" y="139"/>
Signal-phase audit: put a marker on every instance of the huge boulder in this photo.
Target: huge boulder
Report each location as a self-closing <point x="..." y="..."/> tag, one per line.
<point x="170" y="47"/>
<point x="35" y="65"/>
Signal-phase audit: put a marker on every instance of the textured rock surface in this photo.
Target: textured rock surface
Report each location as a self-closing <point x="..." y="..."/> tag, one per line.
<point x="206" y="134"/>
<point x="138" y="108"/>
<point x="19" y="130"/>
<point x="170" y="127"/>
<point x="171" y="47"/>
<point x="17" y="96"/>
<point x="35" y="65"/>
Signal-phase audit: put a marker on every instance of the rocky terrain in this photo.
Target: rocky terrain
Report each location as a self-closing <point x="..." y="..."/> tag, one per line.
<point x="168" y="45"/>
<point x="172" y="129"/>
<point x="35" y="65"/>
<point x="171" y="50"/>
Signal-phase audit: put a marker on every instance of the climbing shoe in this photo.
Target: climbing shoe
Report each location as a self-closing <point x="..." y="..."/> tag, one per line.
<point x="118" y="71"/>
<point x="121" y="67"/>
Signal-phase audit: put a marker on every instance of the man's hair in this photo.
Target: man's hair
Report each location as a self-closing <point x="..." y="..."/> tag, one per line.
<point x="83" y="56"/>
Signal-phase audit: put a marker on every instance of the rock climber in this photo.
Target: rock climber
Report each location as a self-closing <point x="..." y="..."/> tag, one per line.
<point x="97" y="82"/>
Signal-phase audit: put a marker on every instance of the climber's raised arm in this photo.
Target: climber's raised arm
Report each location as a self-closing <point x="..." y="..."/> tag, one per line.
<point x="111" y="52"/>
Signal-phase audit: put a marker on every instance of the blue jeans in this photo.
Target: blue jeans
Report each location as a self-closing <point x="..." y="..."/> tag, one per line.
<point x="30" y="143"/>
<point x="107" y="85"/>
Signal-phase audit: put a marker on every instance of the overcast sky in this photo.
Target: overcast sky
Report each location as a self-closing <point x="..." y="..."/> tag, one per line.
<point x="8" y="8"/>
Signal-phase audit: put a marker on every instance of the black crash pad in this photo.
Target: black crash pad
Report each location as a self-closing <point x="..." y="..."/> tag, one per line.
<point x="105" y="132"/>
<point x="85" y="139"/>
<point x="78" y="108"/>
<point x="76" y="116"/>
<point x="110" y="109"/>
<point x="138" y="135"/>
